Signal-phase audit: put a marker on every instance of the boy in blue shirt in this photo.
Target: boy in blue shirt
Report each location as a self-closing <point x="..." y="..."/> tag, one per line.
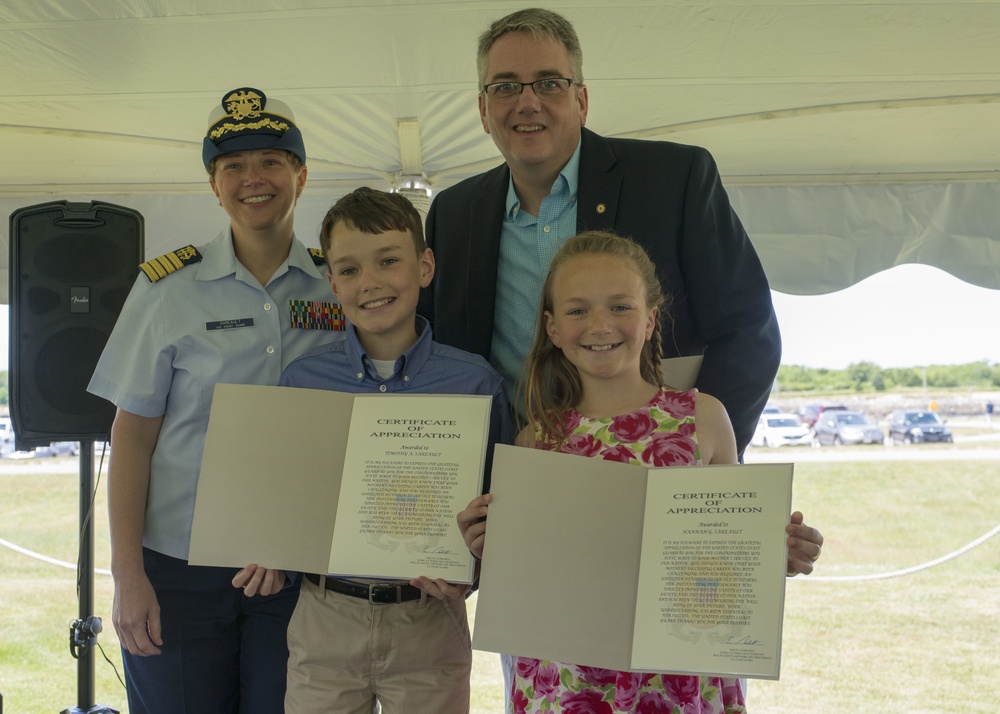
<point x="352" y="641"/>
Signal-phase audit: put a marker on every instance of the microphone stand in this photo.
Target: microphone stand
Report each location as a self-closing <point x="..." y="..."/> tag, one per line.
<point x="83" y="631"/>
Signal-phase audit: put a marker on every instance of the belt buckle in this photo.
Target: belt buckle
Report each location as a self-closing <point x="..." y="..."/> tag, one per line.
<point x="373" y="586"/>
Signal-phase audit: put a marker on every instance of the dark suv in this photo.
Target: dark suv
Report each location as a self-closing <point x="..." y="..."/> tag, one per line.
<point x="917" y="426"/>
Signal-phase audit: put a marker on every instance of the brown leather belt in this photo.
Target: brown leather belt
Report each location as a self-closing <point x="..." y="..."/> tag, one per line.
<point x="375" y="593"/>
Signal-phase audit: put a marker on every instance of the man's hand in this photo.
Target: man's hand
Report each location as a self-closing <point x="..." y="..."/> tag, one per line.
<point x="805" y="544"/>
<point x="472" y="523"/>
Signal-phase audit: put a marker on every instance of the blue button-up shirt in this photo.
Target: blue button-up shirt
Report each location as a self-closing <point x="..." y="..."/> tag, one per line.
<point x="527" y="245"/>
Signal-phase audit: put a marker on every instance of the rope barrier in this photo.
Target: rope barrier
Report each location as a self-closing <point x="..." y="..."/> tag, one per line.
<point x="45" y="558"/>
<point x="907" y="571"/>
<point x="809" y="578"/>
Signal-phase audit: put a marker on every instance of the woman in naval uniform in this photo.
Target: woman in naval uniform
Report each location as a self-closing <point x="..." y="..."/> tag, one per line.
<point x="236" y="310"/>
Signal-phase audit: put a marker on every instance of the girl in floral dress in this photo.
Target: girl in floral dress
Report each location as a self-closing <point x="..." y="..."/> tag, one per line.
<point x="593" y="386"/>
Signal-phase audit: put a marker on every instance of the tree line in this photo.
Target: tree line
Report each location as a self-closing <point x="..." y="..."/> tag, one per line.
<point x="869" y="377"/>
<point x="858" y="377"/>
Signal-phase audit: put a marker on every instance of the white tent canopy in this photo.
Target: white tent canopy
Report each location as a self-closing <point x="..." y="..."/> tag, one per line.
<point x="853" y="135"/>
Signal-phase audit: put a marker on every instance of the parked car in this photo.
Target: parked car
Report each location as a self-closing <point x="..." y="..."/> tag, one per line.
<point x="771" y="409"/>
<point x="811" y="412"/>
<point x="917" y="426"/>
<point x="58" y="448"/>
<point x="6" y="436"/>
<point x="781" y="430"/>
<point x="840" y="426"/>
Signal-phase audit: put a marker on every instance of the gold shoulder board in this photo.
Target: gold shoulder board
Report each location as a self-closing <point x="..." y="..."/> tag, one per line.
<point x="170" y="262"/>
<point x="317" y="255"/>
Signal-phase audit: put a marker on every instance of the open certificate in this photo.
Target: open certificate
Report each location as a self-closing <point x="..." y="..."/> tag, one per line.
<point x="317" y="481"/>
<point x="619" y="566"/>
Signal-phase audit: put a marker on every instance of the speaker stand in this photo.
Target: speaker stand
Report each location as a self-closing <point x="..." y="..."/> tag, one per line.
<point x="83" y="631"/>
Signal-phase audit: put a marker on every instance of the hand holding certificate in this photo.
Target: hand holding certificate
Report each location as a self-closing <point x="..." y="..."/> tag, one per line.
<point x="350" y="484"/>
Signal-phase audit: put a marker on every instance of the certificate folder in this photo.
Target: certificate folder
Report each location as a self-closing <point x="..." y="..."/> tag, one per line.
<point x="625" y="567"/>
<point x="350" y="484"/>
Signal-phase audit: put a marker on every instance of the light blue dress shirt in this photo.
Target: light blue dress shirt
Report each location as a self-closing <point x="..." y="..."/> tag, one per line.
<point x="527" y="245"/>
<point x="176" y="338"/>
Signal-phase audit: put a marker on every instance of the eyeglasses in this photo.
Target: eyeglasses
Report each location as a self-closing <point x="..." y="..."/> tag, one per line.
<point x="548" y="88"/>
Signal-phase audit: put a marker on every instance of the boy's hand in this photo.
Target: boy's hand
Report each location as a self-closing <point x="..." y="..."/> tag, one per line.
<point x="472" y="523"/>
<point x="256" y="580"/>
<point x="441" y="589"/>
<point x="805" y="544"/>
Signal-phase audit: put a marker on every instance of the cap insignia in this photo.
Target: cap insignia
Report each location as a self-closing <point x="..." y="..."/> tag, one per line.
<point x="244" y="104"/>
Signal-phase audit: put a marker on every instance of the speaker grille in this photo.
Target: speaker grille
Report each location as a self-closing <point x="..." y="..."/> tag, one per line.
<point x="41" y="301"/>
<point x="66" y="361"/>
<point x="71" y="268"/>
<point x="81" y="256"/>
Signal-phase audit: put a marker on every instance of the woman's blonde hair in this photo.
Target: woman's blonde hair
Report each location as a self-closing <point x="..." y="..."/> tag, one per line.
<point x="550" y="382"/>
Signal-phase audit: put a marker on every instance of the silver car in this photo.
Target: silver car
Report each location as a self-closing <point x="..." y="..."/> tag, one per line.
<point x="847" y="427"/>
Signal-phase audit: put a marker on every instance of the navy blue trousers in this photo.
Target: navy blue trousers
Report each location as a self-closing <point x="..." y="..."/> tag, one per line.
<point x="222" y="652"/>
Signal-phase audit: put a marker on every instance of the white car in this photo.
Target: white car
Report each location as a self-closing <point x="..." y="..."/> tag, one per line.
<point x="781" y="430"/>
<point x="6" y="436"/>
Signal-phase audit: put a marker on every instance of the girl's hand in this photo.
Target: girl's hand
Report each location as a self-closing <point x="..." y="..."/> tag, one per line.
<point x="472" y="523"/>
<point x="805" y="544"/>
<point x="441" y="589"/>
<point x="256" y="580"/>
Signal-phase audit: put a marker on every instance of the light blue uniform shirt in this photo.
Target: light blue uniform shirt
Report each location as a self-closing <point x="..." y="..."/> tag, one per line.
<point x="527" y="245"/>
<point x="177" y="337"/>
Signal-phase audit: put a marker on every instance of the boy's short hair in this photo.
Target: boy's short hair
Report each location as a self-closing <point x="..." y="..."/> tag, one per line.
<point x="372" y="211"/>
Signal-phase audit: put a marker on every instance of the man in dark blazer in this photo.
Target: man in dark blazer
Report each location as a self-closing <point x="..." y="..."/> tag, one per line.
<point x="666" y="196"/>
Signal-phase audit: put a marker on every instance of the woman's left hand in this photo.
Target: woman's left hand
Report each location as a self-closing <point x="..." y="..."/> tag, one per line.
<point x="805" y="544"/>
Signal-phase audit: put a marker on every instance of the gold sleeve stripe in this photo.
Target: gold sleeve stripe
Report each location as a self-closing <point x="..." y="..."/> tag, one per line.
<point x="152" y="271"/>
<point x="170" y="262"/>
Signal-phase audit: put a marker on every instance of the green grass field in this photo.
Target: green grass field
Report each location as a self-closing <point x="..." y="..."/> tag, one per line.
<point x="924" y="642"/>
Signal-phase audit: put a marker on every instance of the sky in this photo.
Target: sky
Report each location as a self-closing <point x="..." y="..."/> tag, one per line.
<point x="909" y="316"/>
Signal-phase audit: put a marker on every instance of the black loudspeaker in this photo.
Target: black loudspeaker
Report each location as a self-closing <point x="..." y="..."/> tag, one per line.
<point x="71" y="268"/>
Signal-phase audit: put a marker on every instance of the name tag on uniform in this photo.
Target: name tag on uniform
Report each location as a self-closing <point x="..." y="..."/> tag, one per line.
<point x="229" y="324"/>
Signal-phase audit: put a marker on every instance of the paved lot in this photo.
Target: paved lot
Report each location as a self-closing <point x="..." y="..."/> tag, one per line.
<point x="966" y="447"/>
<point x="983" y="447"/>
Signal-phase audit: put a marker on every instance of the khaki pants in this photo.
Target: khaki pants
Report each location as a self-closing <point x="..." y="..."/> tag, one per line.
<point x="345" y="653"/>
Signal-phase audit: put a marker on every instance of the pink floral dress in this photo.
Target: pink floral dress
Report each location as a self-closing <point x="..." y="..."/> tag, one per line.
<point x="662" y="433"/>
